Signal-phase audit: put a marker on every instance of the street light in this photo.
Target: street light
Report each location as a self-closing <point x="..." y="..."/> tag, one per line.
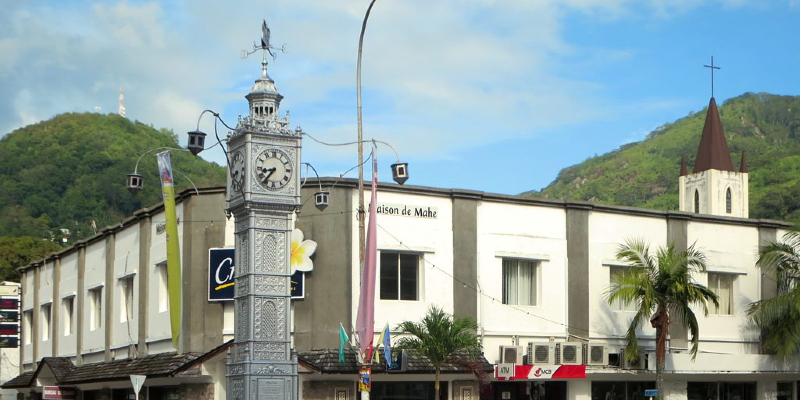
<point x="135" y="181"/>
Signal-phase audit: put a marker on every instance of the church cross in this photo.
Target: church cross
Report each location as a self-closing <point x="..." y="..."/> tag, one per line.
<point x="712" y="67"/>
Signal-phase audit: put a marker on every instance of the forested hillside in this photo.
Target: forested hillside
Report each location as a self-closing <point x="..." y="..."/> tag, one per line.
<point x="66" y="176"/>
<point x="645" y="174"/>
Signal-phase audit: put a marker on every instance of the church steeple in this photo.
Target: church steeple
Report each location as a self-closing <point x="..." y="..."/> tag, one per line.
<point x="714" y="187"/>
<point x="713" y="150"/>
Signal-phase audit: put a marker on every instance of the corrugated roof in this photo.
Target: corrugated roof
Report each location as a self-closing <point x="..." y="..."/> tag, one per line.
<point x="713" y="150"/>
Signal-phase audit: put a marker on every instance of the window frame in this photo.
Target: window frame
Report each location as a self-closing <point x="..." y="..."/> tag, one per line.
<point x="126" y="285"/>
<point x="399" y="278"/>
<point x="46" y="320"/>
<point x="163" y="287"/>
<point x="619" y="305"/>
<point x="95" y="296"/>
<point x="69" y="314"/>
<point x="534" y="276"/>
<point x="719" y="277"/>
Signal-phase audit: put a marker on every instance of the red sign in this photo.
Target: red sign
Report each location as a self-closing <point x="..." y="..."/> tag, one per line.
<point x="542" y="372"/>
<point x="58" y="393"/>
<point x="9" y="329"/>
<point x="9" y="304"/>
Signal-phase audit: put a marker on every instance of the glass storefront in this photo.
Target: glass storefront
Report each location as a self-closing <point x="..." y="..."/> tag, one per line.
<point x="620" y="390"/>
<point x="721" y="391"/>
<point x="406" y="390"/>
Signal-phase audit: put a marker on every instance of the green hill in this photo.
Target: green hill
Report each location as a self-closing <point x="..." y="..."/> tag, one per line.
<point x="68" y="174"/>
<point x="645" y="174"/>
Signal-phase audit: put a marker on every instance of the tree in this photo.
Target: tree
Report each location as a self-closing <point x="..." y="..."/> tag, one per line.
<point x="441" y="338"/>
<point x="778" y="318"/>
<point x="661" y="285"/>
<point x="17" y="252"/>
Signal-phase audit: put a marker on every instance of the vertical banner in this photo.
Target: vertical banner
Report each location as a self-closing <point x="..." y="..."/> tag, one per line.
<point x="365" y="321"/>
<point x="173" y="248"/>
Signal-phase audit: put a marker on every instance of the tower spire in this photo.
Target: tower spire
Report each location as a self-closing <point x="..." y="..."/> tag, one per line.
<point x="121" y="109"/>
<point x="713" y="150"/>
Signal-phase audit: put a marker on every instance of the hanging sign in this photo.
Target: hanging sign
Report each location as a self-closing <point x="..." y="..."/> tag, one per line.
<point x="9" y="342"/>
<point x="9" y="329"/>
<point x="9" y="290"/>
<point x="9" y="316"/>
<point x="9" y="304"/>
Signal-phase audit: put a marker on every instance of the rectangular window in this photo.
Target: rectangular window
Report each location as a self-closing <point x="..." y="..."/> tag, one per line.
<point x="45" y="321"/>
<point x="722" y="286"/>
<point x="96" y="308"/>
<point x="519" y="282"/>
<point x="68" y="309"/>
<point x="399" y="277"/>
<point x="163" y="287"/>
<point x="617" y="271"/>
<point x="125" y="299"/>
<point x="27" y="326"/>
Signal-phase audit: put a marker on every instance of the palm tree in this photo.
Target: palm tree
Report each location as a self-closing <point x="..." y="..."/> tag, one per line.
<point x="441" y="338"/>
<point x="779" y="317"/>
<point x="661" y="286"/>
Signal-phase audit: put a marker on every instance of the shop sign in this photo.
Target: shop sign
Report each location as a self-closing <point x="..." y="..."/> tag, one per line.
<point x="543" y="372"/>
<point x="407" y="210"/>
<point x="9" y="290"/>
<point x="58" y="393"/>
<point x="365" y="379"/>
<point x="9" y="316"/>
<point x="9" y="329"/>
<point x="9" y="304"/>
<point x="222" y="274"/>
<point x="9" y="342"/>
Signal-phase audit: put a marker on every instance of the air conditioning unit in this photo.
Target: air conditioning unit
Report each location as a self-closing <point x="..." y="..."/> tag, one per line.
<point x="541" y="353"/>
<point x="511" y="355"/>
<point x="637" y="364"/>
<point x="570" y="353"/>
<point x="596" y="354"/>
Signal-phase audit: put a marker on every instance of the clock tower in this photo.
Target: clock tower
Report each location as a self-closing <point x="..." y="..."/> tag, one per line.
<point x="263" y="192"/>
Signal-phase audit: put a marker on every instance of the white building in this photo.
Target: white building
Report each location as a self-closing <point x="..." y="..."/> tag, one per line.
<point x="533" y="273"/>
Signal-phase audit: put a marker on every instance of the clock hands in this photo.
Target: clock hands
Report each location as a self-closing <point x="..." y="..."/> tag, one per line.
<point x="269" y="172"/>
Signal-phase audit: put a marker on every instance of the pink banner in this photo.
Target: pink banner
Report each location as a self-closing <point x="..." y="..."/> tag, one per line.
<point x="543" y="372"/>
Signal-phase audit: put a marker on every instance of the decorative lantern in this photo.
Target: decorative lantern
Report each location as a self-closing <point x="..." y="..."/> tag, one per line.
<point x="197" y="142"/>
<point x="134" y="183"/>
<point x="321" y="200"/>
<point x="400" y="172"/>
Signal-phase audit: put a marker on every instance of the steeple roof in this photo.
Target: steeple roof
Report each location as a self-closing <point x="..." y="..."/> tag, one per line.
<point x="713" y="150"/>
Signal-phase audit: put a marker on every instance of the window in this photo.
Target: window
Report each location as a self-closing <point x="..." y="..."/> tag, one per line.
<point x="728" y="201"/>
<point x="618" y="305"/>
<point x="126" y="299"/>
<point x="96" y="308"/>
<point x="722" y="286"/>
<point x="45" y="320"/>
<point x="163" y="287"/>
<point x="68" y="307"/>
<point x="45" y="316"/>
<point x="696" y="202"/>
<point x="399" y="276"/>
<point x="27" y="326"/>
<point x="519" y="282"/>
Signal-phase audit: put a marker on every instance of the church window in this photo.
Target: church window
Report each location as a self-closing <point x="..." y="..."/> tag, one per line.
<point x="722" y="286"/>
<point x="696" y="202"/>
<point x="728" y="201"/>
<point x="519" y="282"/>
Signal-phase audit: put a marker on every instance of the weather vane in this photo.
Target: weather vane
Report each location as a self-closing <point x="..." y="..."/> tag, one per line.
<point x="712" y="67"/>
<point x="265" y="46"/>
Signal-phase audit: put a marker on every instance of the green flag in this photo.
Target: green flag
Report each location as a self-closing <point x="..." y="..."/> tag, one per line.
<point x="342" y="340"/>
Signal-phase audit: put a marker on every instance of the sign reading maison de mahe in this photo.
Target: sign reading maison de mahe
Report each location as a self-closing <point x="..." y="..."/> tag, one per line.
<point x="407" y="210"/>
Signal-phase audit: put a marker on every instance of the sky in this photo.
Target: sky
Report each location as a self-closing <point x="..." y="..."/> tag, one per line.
<point x="488" y="95"/>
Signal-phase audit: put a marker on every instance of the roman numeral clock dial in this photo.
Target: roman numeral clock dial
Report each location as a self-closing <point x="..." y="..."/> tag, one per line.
<point x="273" y="169"/>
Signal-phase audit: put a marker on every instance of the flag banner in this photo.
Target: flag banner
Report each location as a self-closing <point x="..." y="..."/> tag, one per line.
<point x="380" y="340"/>
<point x="342" y="340"/>
<point x="365" y="322"/>
<point x="387" y="346"/>
<point x="173" y="248"/>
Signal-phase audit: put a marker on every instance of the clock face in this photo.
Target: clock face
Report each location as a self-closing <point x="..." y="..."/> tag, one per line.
<point x="273" y="169"/>
<point x="237" y="171"/>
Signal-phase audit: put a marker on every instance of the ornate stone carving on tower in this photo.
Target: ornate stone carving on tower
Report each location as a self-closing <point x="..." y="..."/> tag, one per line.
<point x="714" y="187"/>
<point x="263" y="191"/>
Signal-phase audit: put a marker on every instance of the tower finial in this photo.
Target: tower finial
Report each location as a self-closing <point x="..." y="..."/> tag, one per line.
<point x="121" y="109"/>
<point x="712" y="67"/>
<point x="265" y="47"/>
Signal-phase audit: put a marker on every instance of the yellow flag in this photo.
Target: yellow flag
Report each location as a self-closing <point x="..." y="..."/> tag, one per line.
<point x="173" y="249"/>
